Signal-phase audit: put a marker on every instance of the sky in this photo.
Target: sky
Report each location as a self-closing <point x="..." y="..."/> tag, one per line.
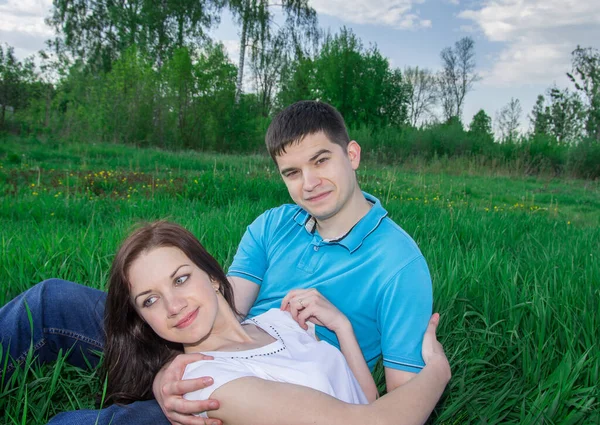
<point x="522" y="47"/>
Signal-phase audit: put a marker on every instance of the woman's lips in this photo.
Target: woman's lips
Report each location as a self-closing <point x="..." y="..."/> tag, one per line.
<point x="187" y="320"/>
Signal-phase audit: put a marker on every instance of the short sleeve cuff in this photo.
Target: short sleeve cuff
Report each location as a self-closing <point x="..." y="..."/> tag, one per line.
<point x="245" y="275"/>
<point x="404" y="365"/>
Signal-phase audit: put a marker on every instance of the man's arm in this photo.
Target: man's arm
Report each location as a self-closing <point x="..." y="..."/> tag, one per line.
<point x="404" y="311"/>
<point x="244" y="293"/>
<point x="168" y="389"/>
<point x="395" y="378"/>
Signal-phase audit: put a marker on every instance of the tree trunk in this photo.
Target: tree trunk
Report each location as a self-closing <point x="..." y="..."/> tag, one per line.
<point x="240" y="76"/>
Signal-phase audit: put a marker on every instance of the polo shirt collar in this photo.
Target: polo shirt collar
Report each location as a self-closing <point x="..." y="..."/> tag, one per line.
<point x="356" y="236"/>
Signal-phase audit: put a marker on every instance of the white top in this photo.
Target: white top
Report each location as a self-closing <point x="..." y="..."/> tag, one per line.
<point x="296" y="357"/>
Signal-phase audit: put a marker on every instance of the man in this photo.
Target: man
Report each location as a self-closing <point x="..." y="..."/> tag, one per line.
<point x="336" y="242"/>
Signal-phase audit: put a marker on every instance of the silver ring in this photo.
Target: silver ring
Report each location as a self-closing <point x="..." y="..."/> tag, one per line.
<point x="300" y="301"/>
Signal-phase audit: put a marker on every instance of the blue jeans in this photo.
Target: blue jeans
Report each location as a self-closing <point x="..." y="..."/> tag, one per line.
<point x="67" y="316"/>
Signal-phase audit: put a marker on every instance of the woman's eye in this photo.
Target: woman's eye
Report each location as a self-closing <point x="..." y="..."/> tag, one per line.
<point x="148" y="302"/>
<point x="181" y="279"/>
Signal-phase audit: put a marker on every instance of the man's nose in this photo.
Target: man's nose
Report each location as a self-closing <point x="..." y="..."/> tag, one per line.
<point x="311" y="180"/>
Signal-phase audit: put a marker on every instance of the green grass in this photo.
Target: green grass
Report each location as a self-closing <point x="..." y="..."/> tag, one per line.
<point x="514" y="262"/>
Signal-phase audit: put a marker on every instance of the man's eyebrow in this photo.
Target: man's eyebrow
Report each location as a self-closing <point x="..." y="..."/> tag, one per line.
<point x="322" y="151"/>
<point x="172" y="275"/>
<point x="311" y="159"/>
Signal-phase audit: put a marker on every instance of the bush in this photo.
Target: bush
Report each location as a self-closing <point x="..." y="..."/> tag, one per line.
<point x="584" y="159"/>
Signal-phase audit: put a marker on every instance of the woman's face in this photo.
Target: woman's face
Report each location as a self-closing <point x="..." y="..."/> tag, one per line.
<point x="173" y="295"/>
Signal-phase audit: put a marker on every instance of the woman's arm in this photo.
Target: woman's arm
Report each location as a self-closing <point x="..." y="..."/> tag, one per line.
<point x="353" y="354"/>
<point x="309" y="305"/>
<point x="253" y="401"/>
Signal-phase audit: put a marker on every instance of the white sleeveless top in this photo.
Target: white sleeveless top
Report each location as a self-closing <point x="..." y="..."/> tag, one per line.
<point x="294" y="357"/>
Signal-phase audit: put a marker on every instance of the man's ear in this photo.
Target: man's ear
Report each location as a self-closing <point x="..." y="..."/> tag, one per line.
<point x="353" y="150"/>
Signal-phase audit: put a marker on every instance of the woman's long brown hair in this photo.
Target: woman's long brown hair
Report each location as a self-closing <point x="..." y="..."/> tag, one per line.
<point x="133" y="353"/>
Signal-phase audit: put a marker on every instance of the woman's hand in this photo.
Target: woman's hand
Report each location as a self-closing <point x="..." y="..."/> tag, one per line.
<point x="169" y="388"/>
<point x="432" y="351"/>
<point x="308" y="305"/>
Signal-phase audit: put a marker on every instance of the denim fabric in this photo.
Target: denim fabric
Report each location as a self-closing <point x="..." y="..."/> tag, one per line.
<point x="141" y="412"/>
<point x="64" y="315"/>
<point x="67" y="316"/>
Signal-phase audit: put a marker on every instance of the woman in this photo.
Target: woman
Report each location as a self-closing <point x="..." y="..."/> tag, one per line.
<point x="167" y="295"/>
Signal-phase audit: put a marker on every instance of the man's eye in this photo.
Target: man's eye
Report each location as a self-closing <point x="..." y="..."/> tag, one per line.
<point x="181" y="279"/>
<point x="149" y="302"/>
<point x="291" y="174"/>
<point x="322" y="160"/>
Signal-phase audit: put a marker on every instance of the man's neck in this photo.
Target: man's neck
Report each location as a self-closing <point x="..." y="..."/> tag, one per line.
<point x="341" y="223"/>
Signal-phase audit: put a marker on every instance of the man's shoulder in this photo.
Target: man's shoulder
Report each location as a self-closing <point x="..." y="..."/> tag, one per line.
<point x="281" y="215"/>
<point x="399" y="246"/>
<point x="391" y="231"/>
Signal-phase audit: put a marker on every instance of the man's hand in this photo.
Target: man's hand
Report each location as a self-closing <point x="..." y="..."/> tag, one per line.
<point x="169" y="388"/>
<point x="309" y="305"/>
<point x="432" y="350"/>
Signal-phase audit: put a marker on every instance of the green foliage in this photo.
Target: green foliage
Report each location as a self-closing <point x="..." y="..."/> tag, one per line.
<point x="98" y="32"/>
<point x="586" y="77"/>
<point x="255" y="18"/>
<point x="16" y="81"/>
<point x="540" y="117"/>
<point x="296" y="81"/>
<point x="357" y="81"/>
<point x="584" y="159"/>
<point x="125" y="100"/>
<point x="481" y="127"/>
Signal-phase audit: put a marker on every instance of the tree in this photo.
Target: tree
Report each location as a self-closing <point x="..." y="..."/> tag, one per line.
<point x="255" y="18"/>
<point x="358" y="82"/>
<point x="508" y="119"/>
<point x="97" y="32"/>
<point x="481" y="126"/>
<point x="564" y="117"/>
<point x="567" y="115"/>
<point x="457" y="76"/>
<point x="586" y="77"/>
<point x="296" y="80"/>
<point x="422" y="93"/>
<point x="266" y="68"/>
<point x="15" y="80"/>
<point x="540" y="117"/>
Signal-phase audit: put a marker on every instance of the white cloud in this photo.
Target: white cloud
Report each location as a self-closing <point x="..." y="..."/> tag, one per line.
<point x="538" y="37"/>
<point x="22" y="24"/>
<point x="391" y="13"/>
<point x="232" y="47"/>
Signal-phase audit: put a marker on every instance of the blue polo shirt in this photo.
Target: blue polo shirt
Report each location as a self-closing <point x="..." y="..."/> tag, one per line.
<point x="375" y="275"/>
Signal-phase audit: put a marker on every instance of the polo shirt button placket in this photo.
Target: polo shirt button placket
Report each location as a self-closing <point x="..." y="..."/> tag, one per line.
<point x="316" y="247"/>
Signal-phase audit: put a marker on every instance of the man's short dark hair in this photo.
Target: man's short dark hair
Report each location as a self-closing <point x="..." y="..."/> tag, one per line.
<point x="302" y="119"/>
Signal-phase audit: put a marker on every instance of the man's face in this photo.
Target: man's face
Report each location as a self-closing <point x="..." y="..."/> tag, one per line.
<point x="320" y="175"/>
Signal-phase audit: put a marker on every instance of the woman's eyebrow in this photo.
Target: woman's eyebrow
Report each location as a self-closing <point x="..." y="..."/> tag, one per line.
<point x="171" y="276"/>
<point x="177" y="269"/>
<point x="140" y="294"/>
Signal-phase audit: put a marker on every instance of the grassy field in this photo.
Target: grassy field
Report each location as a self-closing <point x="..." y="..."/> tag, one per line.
<point x="514" y="262"/>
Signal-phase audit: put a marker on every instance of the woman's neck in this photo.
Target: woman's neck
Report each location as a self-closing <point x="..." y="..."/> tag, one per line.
<point x="228" y="334"/>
